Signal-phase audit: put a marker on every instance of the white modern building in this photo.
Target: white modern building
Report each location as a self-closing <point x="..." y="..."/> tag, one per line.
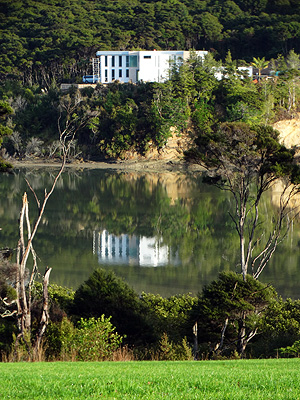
<point x="134" y="66"/>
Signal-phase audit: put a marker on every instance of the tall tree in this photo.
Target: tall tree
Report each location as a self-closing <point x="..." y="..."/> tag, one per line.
<point x="229" y="311"/>
<point x="260" y="64"/>
<point x="5" y="111"/>
<point x="247" y="161"/>
<point x="292" y="78"/>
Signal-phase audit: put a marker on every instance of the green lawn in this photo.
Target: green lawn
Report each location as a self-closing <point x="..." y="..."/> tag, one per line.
<point x="153" y="380"/>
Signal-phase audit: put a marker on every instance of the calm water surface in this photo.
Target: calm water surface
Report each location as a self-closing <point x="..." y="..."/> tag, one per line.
<point x="163" y="233"/>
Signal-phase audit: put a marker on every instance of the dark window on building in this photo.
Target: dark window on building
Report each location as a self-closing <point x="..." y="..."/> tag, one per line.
<point x="127" y="61"/>
<point x="133" y="61"/>
<point x="112" y="74"/>
<point x="106" y="61"/>
<point x="147" y="56"/>
<point x="120" y="73"/>
<point x="113" y="61"/>
<point x="120" y="61"/>
<point x="105" y="74"/>
<point x="127" y="73"/>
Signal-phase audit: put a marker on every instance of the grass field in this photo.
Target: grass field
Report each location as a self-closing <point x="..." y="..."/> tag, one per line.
<point x="153" y="380"/>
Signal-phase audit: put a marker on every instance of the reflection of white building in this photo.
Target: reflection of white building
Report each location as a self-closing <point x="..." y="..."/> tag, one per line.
<point x="130" y="250"/>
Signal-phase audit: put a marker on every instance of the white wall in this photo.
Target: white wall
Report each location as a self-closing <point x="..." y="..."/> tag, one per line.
<point x="153" y="66"/>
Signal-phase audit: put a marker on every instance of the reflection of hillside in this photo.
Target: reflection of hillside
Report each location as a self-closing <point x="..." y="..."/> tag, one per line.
<point x="276" y="197"/>
<point x="177" y="186"/>
<point x="131" y="250"/>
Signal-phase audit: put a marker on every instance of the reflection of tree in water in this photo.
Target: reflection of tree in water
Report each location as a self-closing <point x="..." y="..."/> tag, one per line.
<point x="190" y="217"/>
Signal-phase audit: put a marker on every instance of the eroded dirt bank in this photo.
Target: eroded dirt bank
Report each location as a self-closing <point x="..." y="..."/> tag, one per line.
<point x="289" y="131"/>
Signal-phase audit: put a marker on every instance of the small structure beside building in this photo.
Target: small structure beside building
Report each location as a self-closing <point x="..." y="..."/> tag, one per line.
<point x="135" y="66"/>
<point x="241" y="72"/>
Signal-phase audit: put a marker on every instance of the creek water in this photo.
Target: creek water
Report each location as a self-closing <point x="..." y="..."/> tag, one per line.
<point x="166" y="233"/>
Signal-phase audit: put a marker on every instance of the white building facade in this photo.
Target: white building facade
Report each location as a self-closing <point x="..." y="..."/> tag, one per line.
<point x="136" y="66"/>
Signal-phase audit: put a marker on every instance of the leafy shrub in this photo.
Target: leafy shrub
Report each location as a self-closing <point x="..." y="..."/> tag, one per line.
<point x="92" y="340"/>
<point x="293" y="350"/>
<point x="280" y="328"/>
<point x="170" y="351"/>
<point x="59" y="340"/>
<point x="96" y="339"/>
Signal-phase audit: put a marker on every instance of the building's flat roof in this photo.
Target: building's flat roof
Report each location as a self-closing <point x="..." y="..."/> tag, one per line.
<point x="128" y="52"/>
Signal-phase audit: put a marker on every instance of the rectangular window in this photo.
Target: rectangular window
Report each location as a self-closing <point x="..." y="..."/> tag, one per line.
<point x="127" y="61"/>
<point x="147" y="56"/>
<point x="106" y="61"/>
<point x="113" y="61"/>
<point x="120" y="73"/>
<point x="105" y="74"/>
<point x="112" y="74"/>
<point x="133" y="61"/>
<point x="120" y="61"/>
<point x="127" y="73"/>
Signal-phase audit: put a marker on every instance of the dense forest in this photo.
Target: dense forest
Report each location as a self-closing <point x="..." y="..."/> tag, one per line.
<point x="44" y="40"/>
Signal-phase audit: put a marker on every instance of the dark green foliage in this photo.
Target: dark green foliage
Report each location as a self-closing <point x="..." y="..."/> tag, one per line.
<point x="170" y="315"/>
<point x="58" y="340"/>
<point x="293" y="351"/>
<point x="5" y="111"/>
<point x="38" y="115"/>
<point x="280" y="328"/>
<point x="230" y="304"/>
<point x="126" y="118"/>
<point x="7" y="292"/>
<point x="60" y="299"/>
<point x="250" y="150"/>
<point x="105" y="293"/>
<point x="7" y="330"/>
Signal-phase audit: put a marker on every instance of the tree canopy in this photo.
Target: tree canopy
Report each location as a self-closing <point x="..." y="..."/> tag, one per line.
<point x="229" y="311"/>
<point x="105" y="293"/>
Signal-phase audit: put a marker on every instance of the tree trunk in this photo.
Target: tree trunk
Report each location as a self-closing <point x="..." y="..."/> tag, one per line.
<point x="44" y="318"/>
<point x="243" y="337"/>
<point x="242" y="342"/>
<point x="195" y="334"/>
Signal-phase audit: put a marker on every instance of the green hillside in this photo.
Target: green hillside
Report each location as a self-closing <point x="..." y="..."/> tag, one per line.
<point x="45" y="40"/>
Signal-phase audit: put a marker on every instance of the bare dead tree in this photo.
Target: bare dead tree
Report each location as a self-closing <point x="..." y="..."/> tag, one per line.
<point x="68" y="125"/>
